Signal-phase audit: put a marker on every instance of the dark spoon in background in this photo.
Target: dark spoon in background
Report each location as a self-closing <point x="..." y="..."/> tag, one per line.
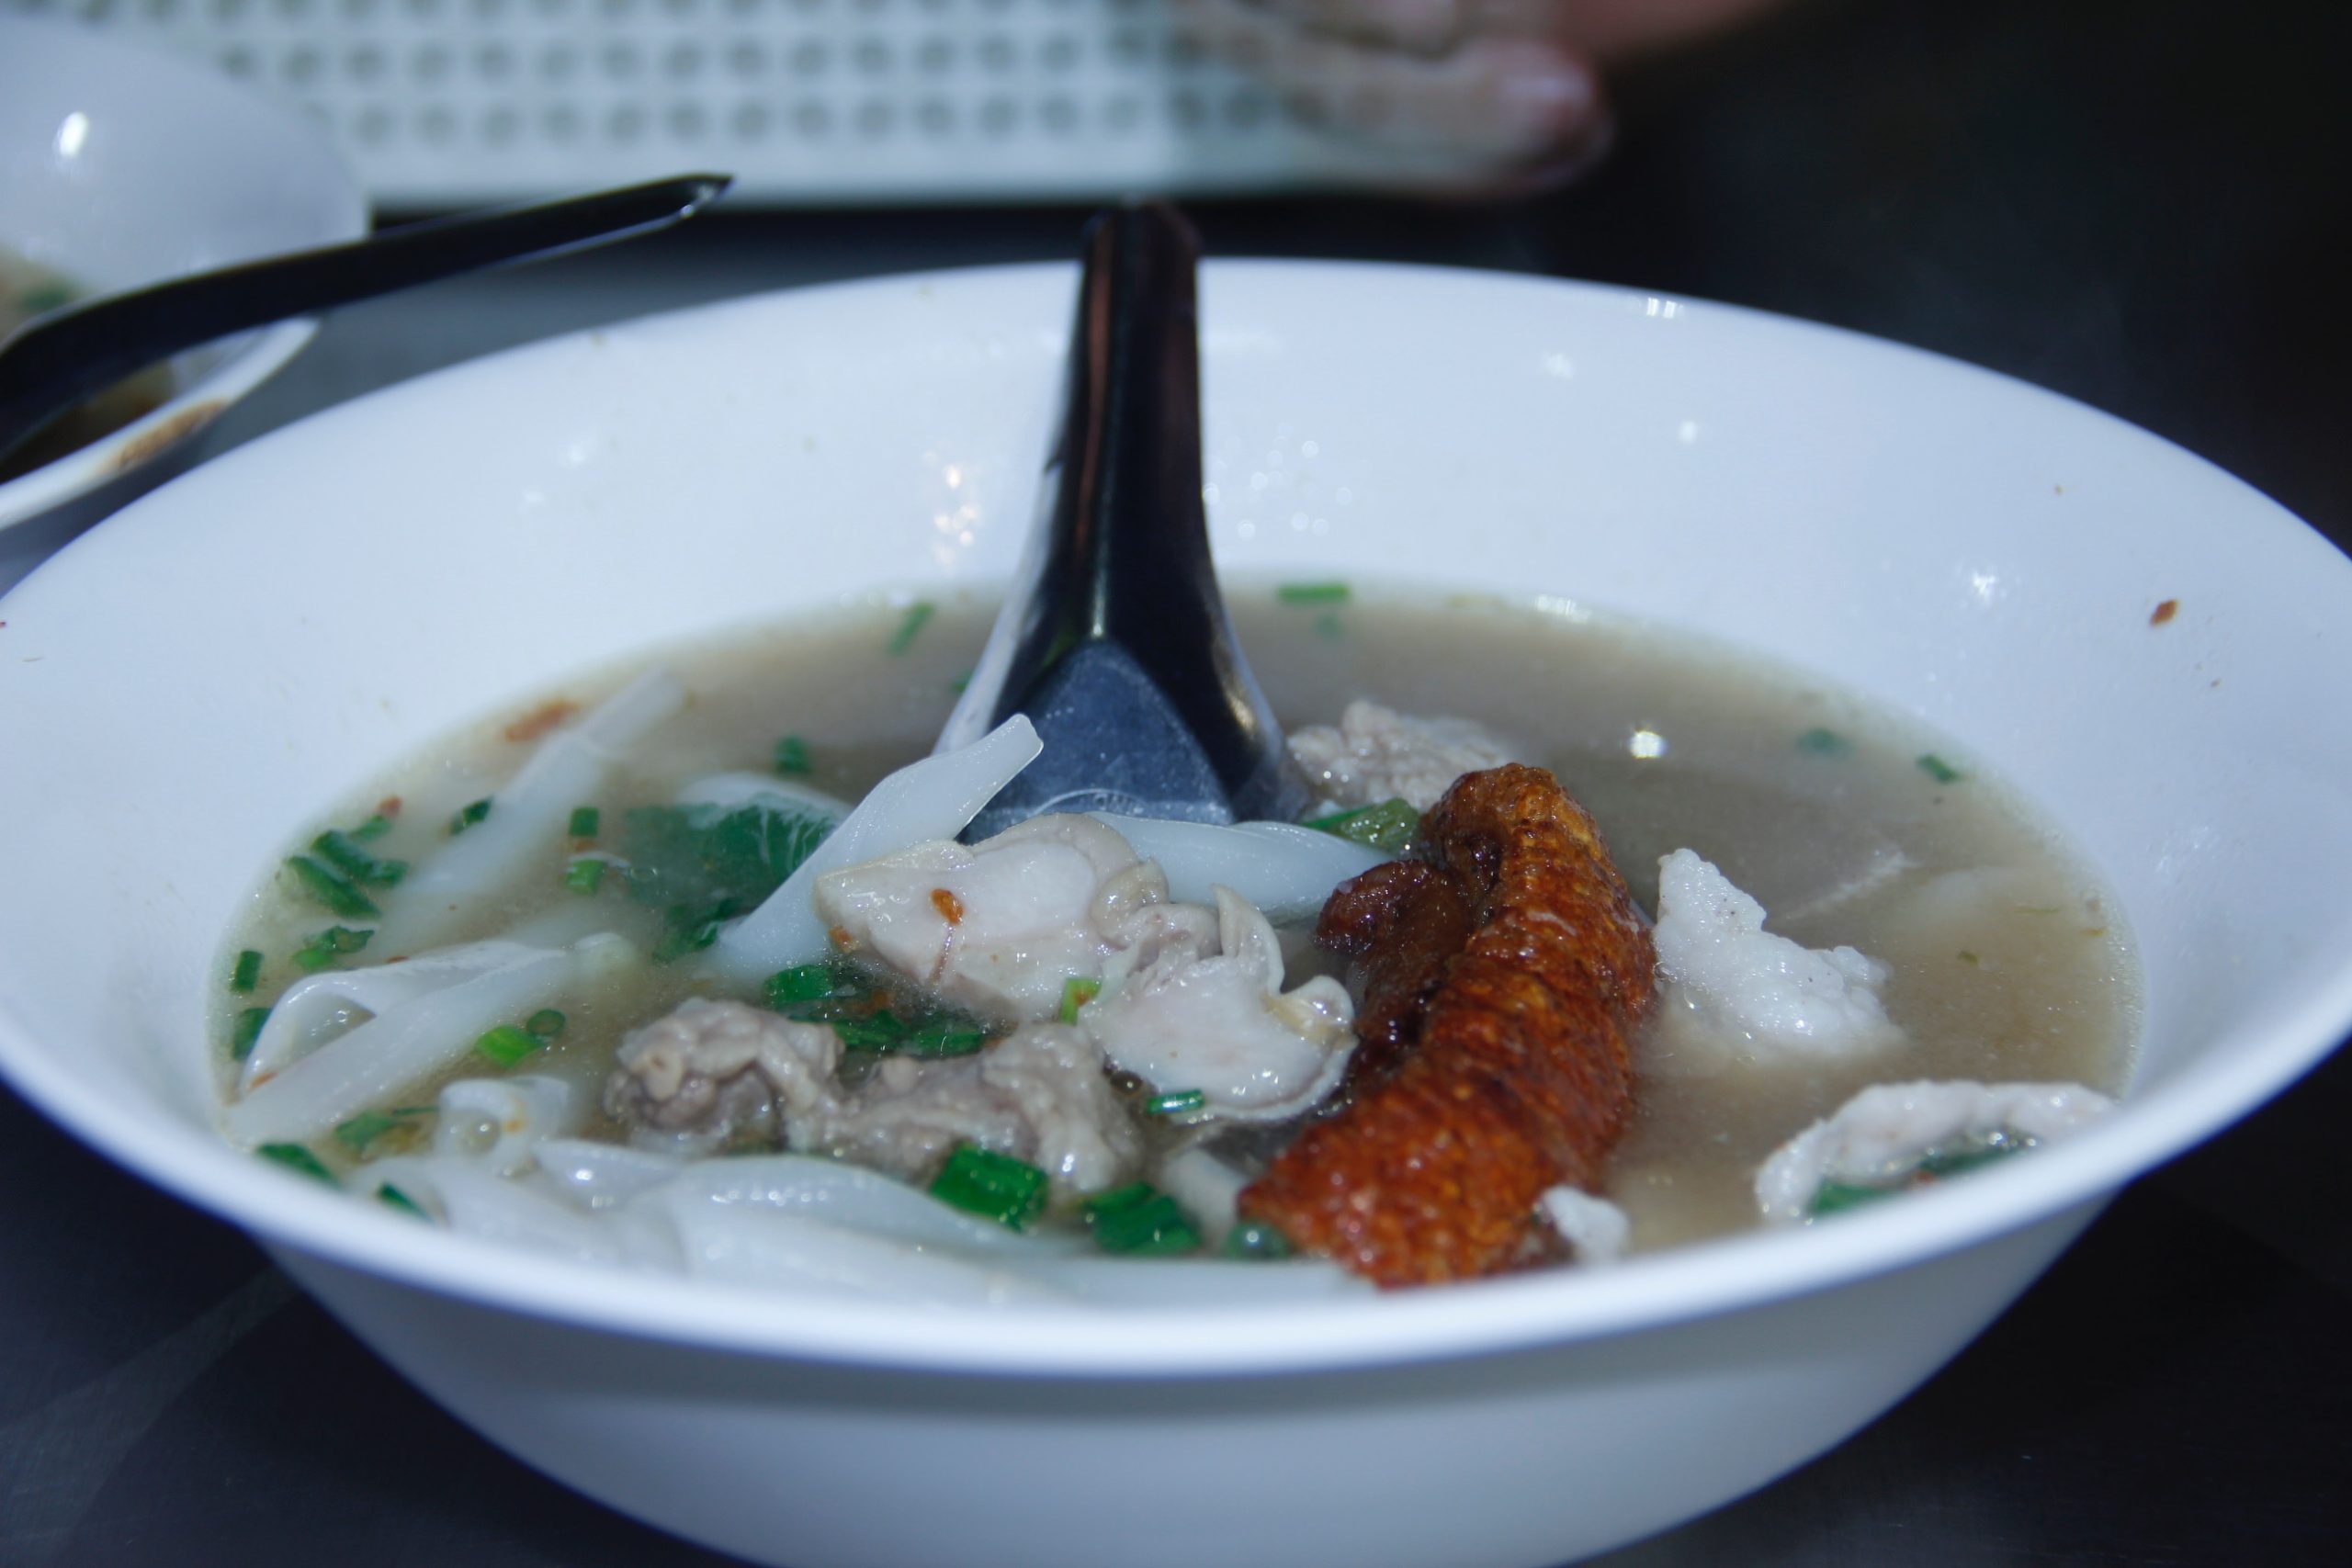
<point x="1115" y="641"/>
<point x="58" y="359"/>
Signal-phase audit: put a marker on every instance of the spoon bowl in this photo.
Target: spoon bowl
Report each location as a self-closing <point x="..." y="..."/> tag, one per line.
<point x="1115" y="641"/>
<point x="120" y="167"/>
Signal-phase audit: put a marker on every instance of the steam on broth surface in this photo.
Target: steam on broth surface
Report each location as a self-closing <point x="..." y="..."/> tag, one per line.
<point x="2002" y="962"/>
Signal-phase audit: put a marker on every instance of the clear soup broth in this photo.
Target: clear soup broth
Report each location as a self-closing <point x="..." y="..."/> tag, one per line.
<point x="2006" y="960"/>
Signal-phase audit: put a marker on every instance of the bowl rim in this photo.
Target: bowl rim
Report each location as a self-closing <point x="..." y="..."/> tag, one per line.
<point x="254" y="356"/>
<point x="1474" y="1319"/>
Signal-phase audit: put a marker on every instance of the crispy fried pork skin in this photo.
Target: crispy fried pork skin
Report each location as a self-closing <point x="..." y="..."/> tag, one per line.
<point x="1403" y="923"/>
<point x="1513" y="1073"/>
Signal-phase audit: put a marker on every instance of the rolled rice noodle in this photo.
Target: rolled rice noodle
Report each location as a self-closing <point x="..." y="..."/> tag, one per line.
<point x="418" y="1034"/>
<point x="1286" y="871"/>
<point x="1881" y="1133"/>
<point x="527" y="817"/>
<point x="934" y="799"/>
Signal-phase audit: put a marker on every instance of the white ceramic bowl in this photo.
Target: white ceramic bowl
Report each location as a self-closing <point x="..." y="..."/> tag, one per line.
<point x="226" y="657"/>
<point x="120" y="167"/>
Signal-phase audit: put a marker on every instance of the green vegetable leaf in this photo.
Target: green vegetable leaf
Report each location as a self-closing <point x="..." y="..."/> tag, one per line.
<point x="247" y="974"/>
<point x="1388" y="827"/>
<point x="804" y="983"/>
<point x="1836" y="1197"/>
<point x="702" y="865"/>
<point x="585" y="821"/>
<point x="466" y="816"/>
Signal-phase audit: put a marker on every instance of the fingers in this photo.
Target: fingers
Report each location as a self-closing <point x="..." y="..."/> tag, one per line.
<point x="1487" y="112"/>
<point x="1414" y="27"/>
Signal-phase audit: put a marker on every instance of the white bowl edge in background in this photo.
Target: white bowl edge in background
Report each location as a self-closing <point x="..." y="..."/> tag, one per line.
<point x="120" y="165"/>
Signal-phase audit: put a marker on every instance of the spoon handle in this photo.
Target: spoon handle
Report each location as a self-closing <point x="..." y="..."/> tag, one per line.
<point x="1115" y="641"/>
<point x="62" y="358"/>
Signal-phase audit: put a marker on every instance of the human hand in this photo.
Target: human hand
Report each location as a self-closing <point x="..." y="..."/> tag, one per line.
<point x="1481" y="96"/>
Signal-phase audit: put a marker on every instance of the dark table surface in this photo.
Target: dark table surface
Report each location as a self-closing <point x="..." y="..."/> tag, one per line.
<point x="2147" y="205"/>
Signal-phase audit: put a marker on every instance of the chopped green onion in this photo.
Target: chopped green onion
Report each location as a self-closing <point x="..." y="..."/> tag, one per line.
<point x="1077" y="991"/>
<point x="961" y="683"/>
<point x="364" y="1129"/>
<point x="1936" y="768"/>
<point x="1388" y="827"/>
<point x="506" y="1044"/>
<point x="1333" y="593"/>
<point x="1176" y="1102"/>
<point x="375" y="828"/>
<point x="325" y="947"/>
<point x="885" y="1030"/>
<point x="1255" y="1242"/>
<point x="803" y="983"/>
<point x="1820" y="742"/>
<point x="43" y="297"/>
<point x="997" y="1186"/>
<point x="868" y="1016"/>
<point x="1140" y="1221"/>
<point x="585" y="821"/>
<point x="331" y="887"/>
<point x="911" y="627"/>
<point x="343" y="852"/>
<point x="245" y="1032"/>
<point x="792" y="755"/>
<point x="584" y="876"/>
<point x="543" y="1024"/>
<point x="294" y="1156"/>
<point x="392" y="1197"/>
<point x="468" y="814"/>
<point x="247" y="974"/>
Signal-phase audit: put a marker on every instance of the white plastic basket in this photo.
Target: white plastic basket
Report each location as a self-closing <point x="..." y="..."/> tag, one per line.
<point x="446" y="102"/>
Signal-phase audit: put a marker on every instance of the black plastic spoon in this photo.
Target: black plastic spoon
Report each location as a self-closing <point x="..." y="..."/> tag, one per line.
<point x="1115" y="641"/>
<point x="55" y="361"/>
